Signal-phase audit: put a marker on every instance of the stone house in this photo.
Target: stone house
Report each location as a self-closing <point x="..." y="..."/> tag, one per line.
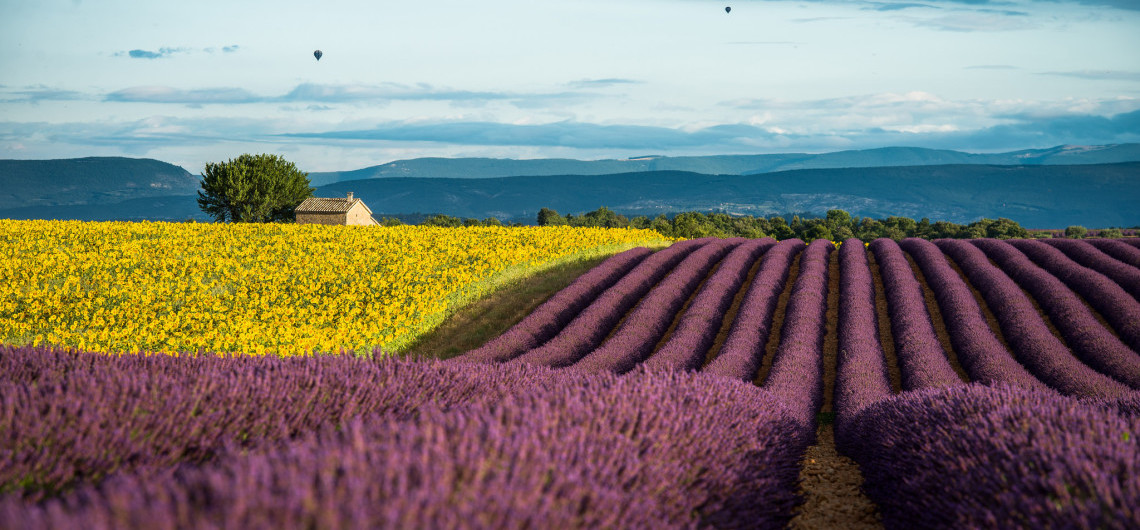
<point x="338" y="211"/>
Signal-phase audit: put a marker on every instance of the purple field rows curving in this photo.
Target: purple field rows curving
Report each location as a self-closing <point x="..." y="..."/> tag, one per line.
<point x="1119" y="250"/>
<point x="1034" y="345"/>
<point x="686" y="349"/>
<point x="1125" y="275"/>
<point x="591" y="326"/>
<point x="1118" y="308"/>
<point x="981" y="353"/>
<point x="742" y="353"/>
<point x="550" y="317"/>
<point x="964" y="456"/>
<point x="922" y="361"/>
<point x="635" y="339"/>
<point x="861" y="377"/>
<point x="797" y="369"/>
<point x="611" y="405"/>
<point x="1090" y="341"/>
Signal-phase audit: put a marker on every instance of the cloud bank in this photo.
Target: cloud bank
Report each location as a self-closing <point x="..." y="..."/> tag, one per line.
<point x="1023" y="131"/>
<point x="168" y="51"/>
<point x="326" y="94"/>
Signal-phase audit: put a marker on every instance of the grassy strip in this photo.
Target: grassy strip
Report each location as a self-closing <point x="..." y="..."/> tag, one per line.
<point x="489" y="308"/>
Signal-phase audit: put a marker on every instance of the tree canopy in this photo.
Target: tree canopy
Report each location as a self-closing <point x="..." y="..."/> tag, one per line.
<point x="1076" y="232"/>
<point x="260" y="188"/>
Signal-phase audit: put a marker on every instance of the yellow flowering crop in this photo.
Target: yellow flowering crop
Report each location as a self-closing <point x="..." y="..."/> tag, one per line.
<point x="256" y="289"/>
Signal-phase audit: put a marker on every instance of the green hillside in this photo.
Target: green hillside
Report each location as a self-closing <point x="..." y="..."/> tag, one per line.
<point x="157" y="208"/>
<point x="728" y="164"/>
<point x="1035" y="196"/>
<point x="95" y="180"/>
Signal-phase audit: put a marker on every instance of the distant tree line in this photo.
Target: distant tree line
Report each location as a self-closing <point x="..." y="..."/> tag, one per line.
<point x="837" y="225"/>
<point x="1080" y="232"/>
<point x="451" y="222"/>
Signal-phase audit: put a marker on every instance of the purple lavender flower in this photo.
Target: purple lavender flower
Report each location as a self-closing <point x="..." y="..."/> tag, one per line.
<point x="972" y="456"/>
<point x="527" y="446"/>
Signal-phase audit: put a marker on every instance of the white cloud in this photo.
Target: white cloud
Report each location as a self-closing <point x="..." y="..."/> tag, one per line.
<point x="169" y="51"/>
<point x="192" y="142"/>
<point x="924" y="128"/>
<point x="165" y="94"/>
<point x="1099" y="75"/>
<point x="976" y="21"/>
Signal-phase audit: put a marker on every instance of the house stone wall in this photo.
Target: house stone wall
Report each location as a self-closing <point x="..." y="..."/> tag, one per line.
<point x="320" y="218"/>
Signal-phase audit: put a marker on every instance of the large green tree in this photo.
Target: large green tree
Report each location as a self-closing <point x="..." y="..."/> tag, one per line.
<point x="253" y="189"/>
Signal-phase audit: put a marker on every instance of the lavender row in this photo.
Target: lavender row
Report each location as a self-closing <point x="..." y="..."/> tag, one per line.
<point x="644" y="327"/>
<point x="1134" y="241"/>
<point x="591" y="326"/>
<point x="1026" y="333"/>
<point x="1119" y="250"/>
<point x="742" y="353"/>
<point x="564" y="450"/>
<point x="1089" y="340"/>
<point x="549" y="318"/>
<point x="981" y="354"/>
<point x="695" y="332"/>
<point x="67" y="417"/>
<point x="923" y="363"/>
<point x="972" y="456"/>
<point x="861" y="375"/>
<point x="1125" y="275"/>
<point x="1118" y="308"/>
<point x="797" y="368"/>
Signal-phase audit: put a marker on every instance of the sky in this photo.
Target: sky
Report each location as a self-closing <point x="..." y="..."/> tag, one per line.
<point x="196" y="82"/>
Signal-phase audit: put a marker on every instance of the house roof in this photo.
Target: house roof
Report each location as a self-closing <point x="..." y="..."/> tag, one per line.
<point x="330" y="205"/>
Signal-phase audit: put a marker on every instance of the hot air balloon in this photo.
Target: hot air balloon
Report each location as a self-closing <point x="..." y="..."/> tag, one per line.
<point x="728" y="9"/>
<point x="318" y="54"/>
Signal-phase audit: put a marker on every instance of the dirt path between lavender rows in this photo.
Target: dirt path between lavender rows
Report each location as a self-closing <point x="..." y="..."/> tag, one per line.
<point x="830" y="485"/>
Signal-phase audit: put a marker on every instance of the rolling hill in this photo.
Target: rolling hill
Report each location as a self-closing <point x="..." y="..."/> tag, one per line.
<point x="94" y="180"/>
<point x="1046" y="196"/>
<point x="1037" y="192"/>
<point x="729" y="164"/>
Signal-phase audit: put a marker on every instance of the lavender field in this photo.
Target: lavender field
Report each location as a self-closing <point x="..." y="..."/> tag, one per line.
<point x="979" y="383"/>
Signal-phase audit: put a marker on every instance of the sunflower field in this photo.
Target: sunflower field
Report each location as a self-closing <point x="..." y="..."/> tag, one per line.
<point x="260" y="288"/>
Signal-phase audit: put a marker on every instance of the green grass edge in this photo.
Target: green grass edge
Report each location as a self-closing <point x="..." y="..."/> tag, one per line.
<point x="475" y="292"/>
